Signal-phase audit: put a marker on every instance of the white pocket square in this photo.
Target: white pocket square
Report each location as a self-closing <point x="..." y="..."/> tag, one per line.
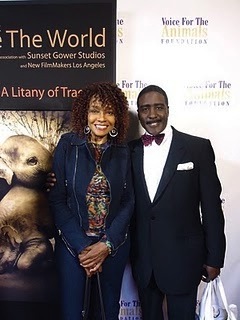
<point x="185" y="166"/>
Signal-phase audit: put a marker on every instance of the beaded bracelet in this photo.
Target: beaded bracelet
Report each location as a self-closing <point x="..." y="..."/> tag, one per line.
<point x="109" y="246"/>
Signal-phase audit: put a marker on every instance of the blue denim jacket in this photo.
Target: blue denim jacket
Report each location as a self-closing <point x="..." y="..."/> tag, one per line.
<point x="74" y="167"/>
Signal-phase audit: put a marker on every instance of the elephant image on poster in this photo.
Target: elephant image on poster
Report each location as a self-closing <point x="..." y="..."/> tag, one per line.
<point x="26" y="227"/>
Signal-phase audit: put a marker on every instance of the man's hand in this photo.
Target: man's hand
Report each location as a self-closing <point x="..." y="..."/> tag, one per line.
<point x="210" y="273"/>
<point x="50" y="182"/>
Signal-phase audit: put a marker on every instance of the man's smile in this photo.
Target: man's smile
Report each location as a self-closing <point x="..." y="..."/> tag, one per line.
<point x="153" y="123"/>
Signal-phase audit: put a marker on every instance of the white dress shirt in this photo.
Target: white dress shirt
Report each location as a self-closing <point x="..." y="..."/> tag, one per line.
<point x="154" y="159"/>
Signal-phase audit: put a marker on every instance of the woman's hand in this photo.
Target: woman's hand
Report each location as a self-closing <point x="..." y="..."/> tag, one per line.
<point x="92" y="258"/>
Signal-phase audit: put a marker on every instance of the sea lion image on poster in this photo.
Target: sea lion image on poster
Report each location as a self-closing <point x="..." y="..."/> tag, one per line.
<point x="25" y="220"/>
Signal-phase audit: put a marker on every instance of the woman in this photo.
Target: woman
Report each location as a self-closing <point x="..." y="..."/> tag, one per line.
<point x="92" y="199"/>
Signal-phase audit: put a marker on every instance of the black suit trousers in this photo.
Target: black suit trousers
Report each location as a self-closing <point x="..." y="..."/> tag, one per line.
<point x="179" y="307"/>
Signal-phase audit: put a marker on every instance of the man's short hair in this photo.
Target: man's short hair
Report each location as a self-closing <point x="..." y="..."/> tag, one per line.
<point x="152" y="88"/>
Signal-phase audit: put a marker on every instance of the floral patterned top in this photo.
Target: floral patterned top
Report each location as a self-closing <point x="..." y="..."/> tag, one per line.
<point x="98" y="194"/>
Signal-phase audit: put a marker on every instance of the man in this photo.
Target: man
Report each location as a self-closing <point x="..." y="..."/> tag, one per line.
<point x="178" y="228"/>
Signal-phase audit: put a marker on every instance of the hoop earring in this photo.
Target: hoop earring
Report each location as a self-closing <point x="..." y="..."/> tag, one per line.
<point x="113" y="133"/>
<point x="86" y="130"/>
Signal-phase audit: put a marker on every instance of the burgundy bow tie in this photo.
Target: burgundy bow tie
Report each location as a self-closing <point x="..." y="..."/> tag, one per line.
<point x="148" y="139"/>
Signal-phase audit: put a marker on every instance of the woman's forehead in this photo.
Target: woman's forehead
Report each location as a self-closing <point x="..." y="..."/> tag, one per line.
<point x="96" y="101"/>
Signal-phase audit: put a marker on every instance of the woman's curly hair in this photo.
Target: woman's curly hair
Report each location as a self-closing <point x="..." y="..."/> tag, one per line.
<point x="110" y="95"/>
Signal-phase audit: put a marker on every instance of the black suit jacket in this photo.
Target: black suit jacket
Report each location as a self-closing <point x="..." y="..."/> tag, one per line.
<point x="183" y="228"/>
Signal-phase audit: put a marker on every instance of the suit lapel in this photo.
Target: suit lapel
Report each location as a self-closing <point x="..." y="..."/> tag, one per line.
<point x="175" y="154"/>
<point x="137" y="161"/>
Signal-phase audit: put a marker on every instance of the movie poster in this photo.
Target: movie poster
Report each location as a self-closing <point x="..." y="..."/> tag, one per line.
<point x="48" y="52"/>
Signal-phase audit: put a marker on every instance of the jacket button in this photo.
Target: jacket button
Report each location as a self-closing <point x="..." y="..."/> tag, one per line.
<point x="152" y="218"/>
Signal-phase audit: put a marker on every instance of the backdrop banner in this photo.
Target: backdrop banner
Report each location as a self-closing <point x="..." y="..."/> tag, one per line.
<point x="49" y="51"/>
<point x="192" y="51"/>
